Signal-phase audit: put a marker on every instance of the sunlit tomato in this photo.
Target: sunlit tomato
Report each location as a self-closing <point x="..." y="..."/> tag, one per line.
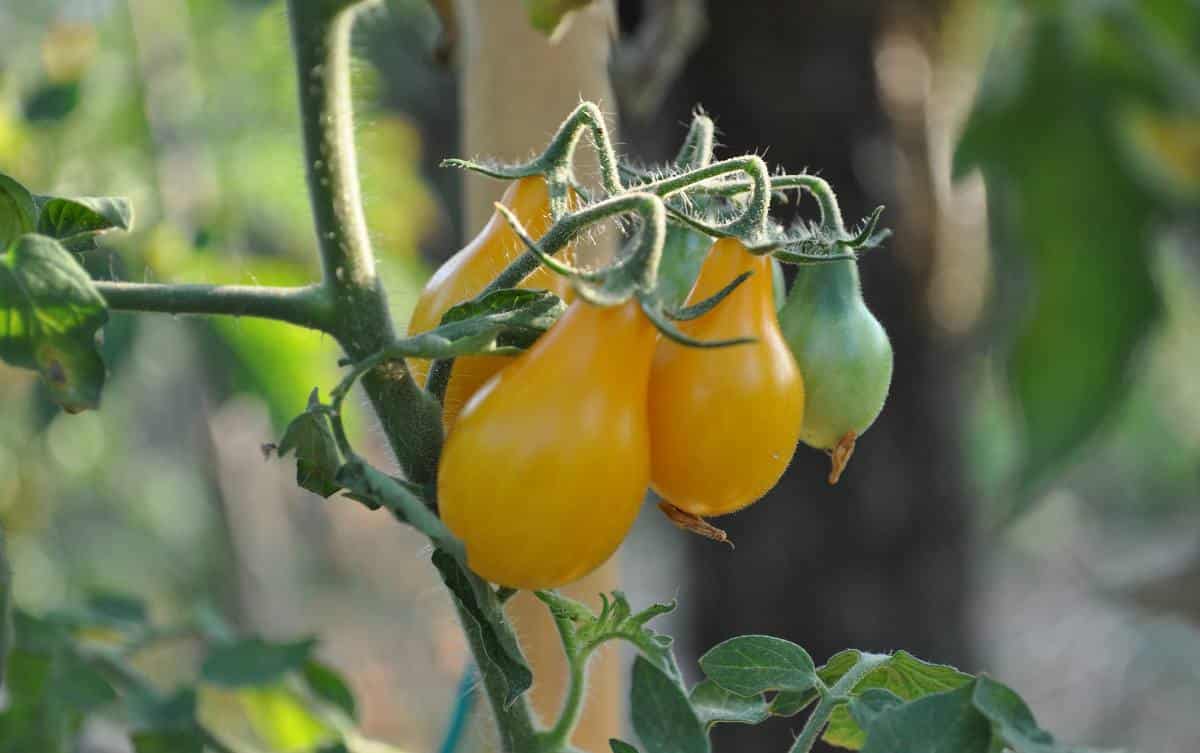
<point x="469" y="271"/>
<point x="724" y="422"/>
<point x="843" y="352"/>
<point x="548" y="464"/>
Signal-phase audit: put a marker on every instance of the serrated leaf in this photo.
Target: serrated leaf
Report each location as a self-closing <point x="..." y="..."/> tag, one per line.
<point x="715" y="705"/>
<point x="547" y="15"/>
<point x="903" y="675"/>
<point x="616" y="621"/>
<point x="49" y="314"/>
<point x="933" y="724"/>
<point x="75" y="222"/>
<point x="18" y="212"/>
<point x="253" y="661"/>
<point x="483" y="617"/>
<point x="662" y="715"/>
<point x="752" y="664"/>
<point x="317" y="456"/>
<point x="168" y="741"/>
<point x="329" y="685"/>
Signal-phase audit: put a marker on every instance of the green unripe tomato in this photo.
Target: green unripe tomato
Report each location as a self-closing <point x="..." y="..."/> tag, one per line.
<point x="843" y="353"/>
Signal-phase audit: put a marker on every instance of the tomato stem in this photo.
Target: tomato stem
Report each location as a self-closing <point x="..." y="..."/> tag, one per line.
<point x="831" y="697"/>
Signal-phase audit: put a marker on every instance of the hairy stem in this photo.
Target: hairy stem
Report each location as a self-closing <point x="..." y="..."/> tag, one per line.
<point x="831" y="697"/>
<point x="360" y="319"/>
<point x="306" y="306"/>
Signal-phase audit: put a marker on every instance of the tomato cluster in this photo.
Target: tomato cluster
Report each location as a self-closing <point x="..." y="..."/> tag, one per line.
<point x="548" y="455"/>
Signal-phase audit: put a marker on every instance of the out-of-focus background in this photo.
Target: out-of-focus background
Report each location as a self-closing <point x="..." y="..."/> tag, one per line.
<point x="1028" y="504"/>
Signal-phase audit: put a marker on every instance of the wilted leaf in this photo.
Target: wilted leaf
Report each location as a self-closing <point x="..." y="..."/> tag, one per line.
<point x="317" y="456"/>
<point x="483" y="616"/>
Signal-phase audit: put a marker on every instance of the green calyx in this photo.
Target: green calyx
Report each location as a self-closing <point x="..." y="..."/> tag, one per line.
<point x="843" y="352"/>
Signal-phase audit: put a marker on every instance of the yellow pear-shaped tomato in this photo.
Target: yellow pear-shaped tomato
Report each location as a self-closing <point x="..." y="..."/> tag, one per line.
<point x="468" y="272"/>
<point x="724" y="422"/>
<point x="548" y="464"/>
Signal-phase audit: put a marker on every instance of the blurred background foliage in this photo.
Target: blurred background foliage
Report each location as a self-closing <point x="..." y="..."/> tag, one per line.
<point x="1062" y="301"/>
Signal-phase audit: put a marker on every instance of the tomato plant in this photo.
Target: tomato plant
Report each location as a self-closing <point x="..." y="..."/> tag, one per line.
<point x="579" y="389"/>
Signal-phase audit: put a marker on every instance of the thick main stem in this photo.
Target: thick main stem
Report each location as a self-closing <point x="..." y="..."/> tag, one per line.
<point x="410" y="419"/>
<point x="361" y="322"/>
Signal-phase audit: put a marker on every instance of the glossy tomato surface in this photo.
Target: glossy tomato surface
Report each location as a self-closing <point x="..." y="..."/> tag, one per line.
<point x="545" y="471"/>
<point x="469" y="271"/>
<point x="724" y="422"/>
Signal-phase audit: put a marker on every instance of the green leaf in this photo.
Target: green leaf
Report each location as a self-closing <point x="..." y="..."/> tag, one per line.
<point x="317" y="456"/>
<point x="280" y="719"/>
<point x="751" y="664"/>
<point x="715" y="705"/>
<point x="547" y="15"/>
<point x="904" y="675"/>
<point x="117" y="610"/>
<point x="933" y="724"/>
<point x="18" y="212"/>
<point x="867" y="707"/>
<point x="77" y="685"/>
<point x="75" y="222"/>
<point x="619" y="746"/>
<point x="49" y="314"/>
<point x="483" y="618"/>
<point x="169" y="741"/>
<point x="616" y="621"/>
<point x="173" y="712"/>
<point x="504" y="320"/>
<point x="253" y="661"/>
<point x="1012" y="721"/>
<point x="329" y="685"/>
<point x="1065" y="197"/>
<point x="662" y="715"/>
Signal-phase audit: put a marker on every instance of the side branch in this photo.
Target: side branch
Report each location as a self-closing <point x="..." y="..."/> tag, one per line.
<point x="306" y="306"/>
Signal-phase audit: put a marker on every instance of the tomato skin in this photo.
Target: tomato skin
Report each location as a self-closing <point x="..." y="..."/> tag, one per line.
<point x="469" y="271"/>
<point x="547" y="467"/>
<point x="724" y="422"/>
<point x="842" y="349"/>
